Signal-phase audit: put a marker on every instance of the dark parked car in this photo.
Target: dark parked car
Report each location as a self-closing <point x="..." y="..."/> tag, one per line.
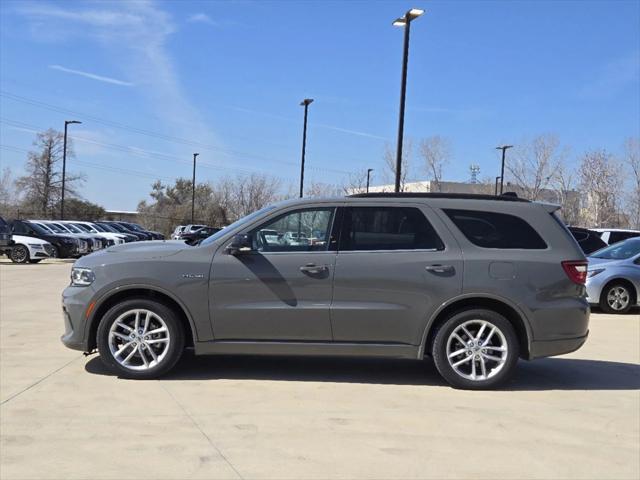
<point x="104" y="227"/>
<point x="589" y="240"/>
<point x="193" y="238"/>
<point x="6" y="241"/>
<point x="65" y="245"/>
<point x="122" y="229"/>
<point x="475" y="282"/>
<point x="138" y="228"/>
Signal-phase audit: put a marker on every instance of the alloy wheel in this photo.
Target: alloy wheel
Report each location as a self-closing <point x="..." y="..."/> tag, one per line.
<point x="618" y="298"/>
<point x="139" y="339"/>
<point x="477" y="350"/>
<point x="19" y="254"/>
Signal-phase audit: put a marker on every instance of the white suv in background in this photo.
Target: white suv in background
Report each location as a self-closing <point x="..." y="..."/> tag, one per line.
<point x="30" y="250"/>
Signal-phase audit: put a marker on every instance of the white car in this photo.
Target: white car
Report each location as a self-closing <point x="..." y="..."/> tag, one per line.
<point x="89" y="227"/>
<point x="177" y="232"/>
<point x="30" y="250"/>
<point x="295" y="239"/>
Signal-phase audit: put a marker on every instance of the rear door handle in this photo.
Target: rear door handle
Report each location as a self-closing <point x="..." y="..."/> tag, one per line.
<point x="313" y="268"/>
<point x="439" y="268"/>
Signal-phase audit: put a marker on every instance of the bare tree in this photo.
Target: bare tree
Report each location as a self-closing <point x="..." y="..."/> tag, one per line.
<point x="8" y="194"/>
<point x="42" y="185"/>
<point x="565" y="186"/>
<point x="632" y="159"/>
<point x="535" y="164"/>
<point x="319" y="189"/>
<point x="436" y="153"/>
<point x="355" y="183"/>
<point x="245" y="194"/>
<point x="600" y="180"/>
<point x="390" y="163"/>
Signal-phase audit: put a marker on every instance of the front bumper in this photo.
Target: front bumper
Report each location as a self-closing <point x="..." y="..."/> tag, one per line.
<point x="75" y="301"/>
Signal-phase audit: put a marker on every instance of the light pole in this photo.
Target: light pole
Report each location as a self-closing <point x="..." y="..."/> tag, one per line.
<point x="404" y="21"/>
<point x="306" y="102"/>
<point x="193" y="187"/>
<point x="496" y="190"/>
<point x="64" y="164"/>
<point x="369" y="170"/>
<point x="504" y="148"/>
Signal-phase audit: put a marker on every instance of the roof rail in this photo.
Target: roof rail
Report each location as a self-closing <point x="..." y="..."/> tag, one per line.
<point x="505" y="197"/>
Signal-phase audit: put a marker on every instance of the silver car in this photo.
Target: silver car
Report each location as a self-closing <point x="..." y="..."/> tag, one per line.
<point x="613" y="279"/>
<point x="474" y="282"/>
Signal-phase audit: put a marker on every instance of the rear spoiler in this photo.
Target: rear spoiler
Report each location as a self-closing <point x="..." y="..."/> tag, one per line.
<point x="550" y="207"/>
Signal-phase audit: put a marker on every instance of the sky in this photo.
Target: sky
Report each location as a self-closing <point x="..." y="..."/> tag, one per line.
<point x="155" y="81"/>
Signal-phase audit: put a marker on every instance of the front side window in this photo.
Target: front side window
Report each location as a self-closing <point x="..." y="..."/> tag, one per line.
<point x="496" y="230"/>
<point x="299" y="231"/>
<point x="387" y="228"/>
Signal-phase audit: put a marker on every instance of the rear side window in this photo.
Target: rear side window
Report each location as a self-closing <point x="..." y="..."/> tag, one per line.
<point x="496" y="230"/>
<point x="387" y="228"/>
<point x="615" y="237"/>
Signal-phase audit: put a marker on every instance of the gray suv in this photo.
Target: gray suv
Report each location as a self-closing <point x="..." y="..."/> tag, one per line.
<point x="475" y="282"/>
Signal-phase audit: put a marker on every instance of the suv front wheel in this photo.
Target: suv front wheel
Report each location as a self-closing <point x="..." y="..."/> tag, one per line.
<point x="476" y="349"/>
<point x="140" y="339"/>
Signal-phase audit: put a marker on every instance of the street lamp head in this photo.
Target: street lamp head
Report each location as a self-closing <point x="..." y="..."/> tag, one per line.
<point x="369" y="170"/>
<point x="306" y="101"/>
<point x="195" y="155"/>
<point x="69" y="122"/>
<point x="407" y="17"/>
<point x="504" y="147"/>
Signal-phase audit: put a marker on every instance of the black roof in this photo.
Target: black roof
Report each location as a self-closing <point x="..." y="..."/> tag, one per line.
<point x="505" y="197"/>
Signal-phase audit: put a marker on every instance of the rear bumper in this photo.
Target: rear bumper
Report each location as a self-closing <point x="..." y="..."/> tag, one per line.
<point x="550" y="348"/>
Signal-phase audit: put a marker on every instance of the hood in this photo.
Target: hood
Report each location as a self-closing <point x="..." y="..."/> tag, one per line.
<point x="25" y="239"/>
<point x="149" y="249"/>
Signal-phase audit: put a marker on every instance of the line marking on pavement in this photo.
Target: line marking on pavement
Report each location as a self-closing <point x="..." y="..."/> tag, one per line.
<point x="201" y="431"/>
<point x="38" y="381"/>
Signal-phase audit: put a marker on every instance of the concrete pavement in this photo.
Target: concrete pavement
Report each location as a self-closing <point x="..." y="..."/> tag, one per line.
<point x="63" y="416"/>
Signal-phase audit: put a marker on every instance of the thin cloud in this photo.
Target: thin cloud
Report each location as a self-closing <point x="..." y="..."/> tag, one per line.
<point x="613" y="77"/>
<point x="135" y="35"/>
<point x="92" y="76"/>
<point x="201" y="18"/>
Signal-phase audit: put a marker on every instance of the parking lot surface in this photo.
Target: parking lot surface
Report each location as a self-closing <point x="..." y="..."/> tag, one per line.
<point x="63" y="416"/>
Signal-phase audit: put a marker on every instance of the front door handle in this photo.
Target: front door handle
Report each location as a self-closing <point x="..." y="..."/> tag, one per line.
<point x="313" y="268"/>
<point x="437" y="268"/>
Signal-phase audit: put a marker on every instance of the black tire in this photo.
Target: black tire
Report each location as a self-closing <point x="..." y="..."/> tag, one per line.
<point x="175" y="332"/>
<point x="612" y="287"/>
<point x="19" y="254"/>
<point x="35" y="260"/>
<point x="439" y="350"/>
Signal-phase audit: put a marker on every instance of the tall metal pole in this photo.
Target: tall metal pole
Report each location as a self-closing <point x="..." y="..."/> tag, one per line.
<point x="369" y="170"/>
<point x="306" y="102"/>
<point x="496" y="190"/>
<point x="504" y="148"/>
<point x="403" y="94"/>
<point x="193" y="188"/>
<point x="64" y="165"/>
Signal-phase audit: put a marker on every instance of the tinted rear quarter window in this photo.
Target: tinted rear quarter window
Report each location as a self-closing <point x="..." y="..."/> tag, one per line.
<point x="387" y="228"/>
<point x="496" y="230"/>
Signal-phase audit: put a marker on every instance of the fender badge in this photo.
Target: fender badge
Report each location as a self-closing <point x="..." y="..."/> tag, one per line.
<point x="192" y="275"/>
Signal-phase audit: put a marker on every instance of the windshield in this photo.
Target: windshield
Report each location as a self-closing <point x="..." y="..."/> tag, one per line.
<point x="619" y="251"/>
<point x="108" y="228"/>
<point x="82" y="227"/>
<point x="39" y="228"/>
<point x="73" y="228"/>
<point x="248" y="219"/>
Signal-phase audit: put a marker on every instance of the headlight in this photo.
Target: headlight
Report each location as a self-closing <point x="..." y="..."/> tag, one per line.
<point x="593" y="273"/>
<point x="81" y="277"/>
<point x="68" y="241"/>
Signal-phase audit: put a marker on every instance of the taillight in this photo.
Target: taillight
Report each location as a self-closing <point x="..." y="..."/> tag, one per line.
<point x="576" y="270"/>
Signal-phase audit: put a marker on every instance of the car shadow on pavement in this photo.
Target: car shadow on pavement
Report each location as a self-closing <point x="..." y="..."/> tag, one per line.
<point x="543" y="374"/>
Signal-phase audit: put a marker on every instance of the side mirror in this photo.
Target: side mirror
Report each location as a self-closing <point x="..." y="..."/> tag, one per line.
<point x="241" y="243"/>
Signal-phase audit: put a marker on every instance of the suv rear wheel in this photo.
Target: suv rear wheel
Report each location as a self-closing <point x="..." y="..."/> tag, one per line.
<point x="140" y="339"/>
<point x="476" y="349"/>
